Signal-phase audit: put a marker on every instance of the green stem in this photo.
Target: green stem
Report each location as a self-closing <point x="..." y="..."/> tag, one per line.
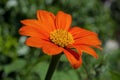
<point x="52" y="66"/>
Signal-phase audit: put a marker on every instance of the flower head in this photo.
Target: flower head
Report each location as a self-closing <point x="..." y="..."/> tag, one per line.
<point x="54" y="35"/>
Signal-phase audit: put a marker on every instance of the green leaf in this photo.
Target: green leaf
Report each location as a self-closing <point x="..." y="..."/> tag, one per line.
<point x="115" y="75"/>
<point x="15" y="66"/>
<point x="65" y="75"/>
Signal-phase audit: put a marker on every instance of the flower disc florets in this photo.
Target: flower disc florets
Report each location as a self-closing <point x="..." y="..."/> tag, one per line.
<point x="61" y="37"/>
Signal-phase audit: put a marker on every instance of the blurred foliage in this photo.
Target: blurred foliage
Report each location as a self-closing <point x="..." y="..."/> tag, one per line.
<point x="19" y="62"/>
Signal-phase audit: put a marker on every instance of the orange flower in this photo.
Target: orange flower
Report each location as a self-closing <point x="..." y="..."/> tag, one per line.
<point x="54" y="35"/>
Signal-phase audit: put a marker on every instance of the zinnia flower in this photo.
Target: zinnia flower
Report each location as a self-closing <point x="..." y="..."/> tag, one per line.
<point x="54" y="35"/>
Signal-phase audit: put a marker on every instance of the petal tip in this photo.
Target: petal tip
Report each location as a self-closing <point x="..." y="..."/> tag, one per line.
<point x="76" y="66"/>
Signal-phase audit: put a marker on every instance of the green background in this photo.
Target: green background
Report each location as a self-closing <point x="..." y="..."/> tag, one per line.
<point x="20" y="62"/>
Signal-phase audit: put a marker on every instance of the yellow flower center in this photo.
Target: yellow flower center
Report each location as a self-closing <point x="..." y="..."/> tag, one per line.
<point x="61" y="37"/>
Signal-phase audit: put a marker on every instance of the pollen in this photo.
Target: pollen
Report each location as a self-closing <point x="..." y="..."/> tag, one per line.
<point x="61" y="37"/>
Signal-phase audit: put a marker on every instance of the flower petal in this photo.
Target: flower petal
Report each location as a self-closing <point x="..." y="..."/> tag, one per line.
<point x="63" y="20"/>
<point x="30" y="22"/>
<point x="98" y="46"/>
<point x="35" y="23"/>
<point x="75" y="54"/>
<point x="87" y="49"/>
<point x="35" y="42"/>
<point x="90" y="40"/>
<point x="73" y="61"/>
<point x="51" y="49"/>
<point x="33" y="31"/>
<point x="47" y="47"/>
<point x="78" y="32"/>
<point x="47" y="19"/>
